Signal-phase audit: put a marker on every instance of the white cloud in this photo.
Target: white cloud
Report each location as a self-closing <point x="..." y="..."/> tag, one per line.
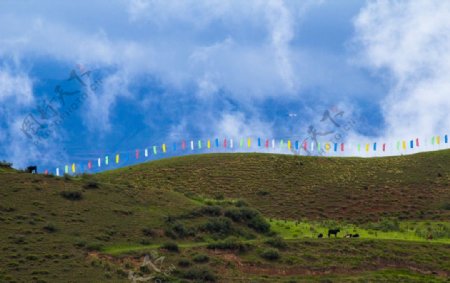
<point x="407" y="42"/>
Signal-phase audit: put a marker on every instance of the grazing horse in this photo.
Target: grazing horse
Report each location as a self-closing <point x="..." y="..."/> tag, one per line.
<point x="355" y="236"/>
<point x="31" y="169"/>
<point x="320" y="236"/>
<point x="333" y="232"/>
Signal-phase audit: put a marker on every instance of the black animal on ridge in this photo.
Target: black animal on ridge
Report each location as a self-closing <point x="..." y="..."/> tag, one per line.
<point x="333" y="232"/>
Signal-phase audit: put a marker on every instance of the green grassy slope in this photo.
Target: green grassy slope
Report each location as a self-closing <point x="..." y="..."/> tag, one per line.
<point x="107" y="222"/>
<point x="409" y="187"/>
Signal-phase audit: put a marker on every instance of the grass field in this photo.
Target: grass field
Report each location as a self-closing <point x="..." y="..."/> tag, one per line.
<point x="231" y="218"/>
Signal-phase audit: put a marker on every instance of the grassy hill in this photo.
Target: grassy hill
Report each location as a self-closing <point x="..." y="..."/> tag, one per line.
<point x="231" y="218"/>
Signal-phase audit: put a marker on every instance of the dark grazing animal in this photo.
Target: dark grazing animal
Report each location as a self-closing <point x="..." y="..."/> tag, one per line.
<point x="333" y="232"/>
<point x="31" y="169"/>
<point x="320" y="235"/>
<point x="355" y="236"/>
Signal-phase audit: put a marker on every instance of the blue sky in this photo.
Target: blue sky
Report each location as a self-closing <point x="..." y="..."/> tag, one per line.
<point x="164" y="71"/>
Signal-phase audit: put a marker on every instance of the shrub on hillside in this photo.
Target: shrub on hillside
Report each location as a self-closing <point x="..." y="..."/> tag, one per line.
<point x="199" y="275"/>
<point x="270" y="254"/>
<point x="200" y="258"/>
<point x="219" y="225"/>
<point x="251" y="217"/>
<point x="171" y="247"/>
<point x="277" y="242"/>
<point x="178" y="230"/>
<point x="91" y="185"/>
<point x="230" y="243"/>
<point x="72" y="195"/>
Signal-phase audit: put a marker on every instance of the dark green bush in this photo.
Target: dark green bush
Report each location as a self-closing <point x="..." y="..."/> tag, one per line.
<point x="184" y="263"/>
<point x="230" y="243"/>
<point x="199" y="275"/>
<point x="149" y="232"/>
<point x="211" y="210"/>
<point x="170" y="246"/>
<point x="72" y="195"/>
<point x="200" y="258"/>
<point x="91" y="185"/>
<point x="178" y="230"/>
<point x="219" y="225"/>
<point x="277" y="242"/>
<point x="270" y="254"/>
<point x="251" y="217"/>
<point x="50" y="228"/>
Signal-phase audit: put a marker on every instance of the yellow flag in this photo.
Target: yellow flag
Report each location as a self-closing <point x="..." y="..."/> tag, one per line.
<point x="209" y="144"/>
<point x="249" y="142"/>
<point x="404" y="144"/>
<point x="367" y="147"/>
<point x="327" y="147"/>
<point x="73" y="167"/>
<point x="164" y="147"/>
<point x="289" y="144"/>
<point x="438" y="139"/>
<point x="117" y="158"/>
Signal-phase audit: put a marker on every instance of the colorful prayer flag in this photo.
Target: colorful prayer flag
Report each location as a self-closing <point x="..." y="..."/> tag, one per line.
<point x="164" y="148"/>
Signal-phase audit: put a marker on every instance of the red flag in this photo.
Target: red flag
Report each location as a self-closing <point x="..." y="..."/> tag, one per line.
<point x="417" y="142"/>
<point x="225" y="143"/>
<point x="183" y="145"/>
<point x="384" y="147"/>
<point x="137" y="153"/>
<point x="267" y="143"/>
<point x="305" y="145"/>
<point x="342" y="147"/>
<point x="89" y="164"/>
